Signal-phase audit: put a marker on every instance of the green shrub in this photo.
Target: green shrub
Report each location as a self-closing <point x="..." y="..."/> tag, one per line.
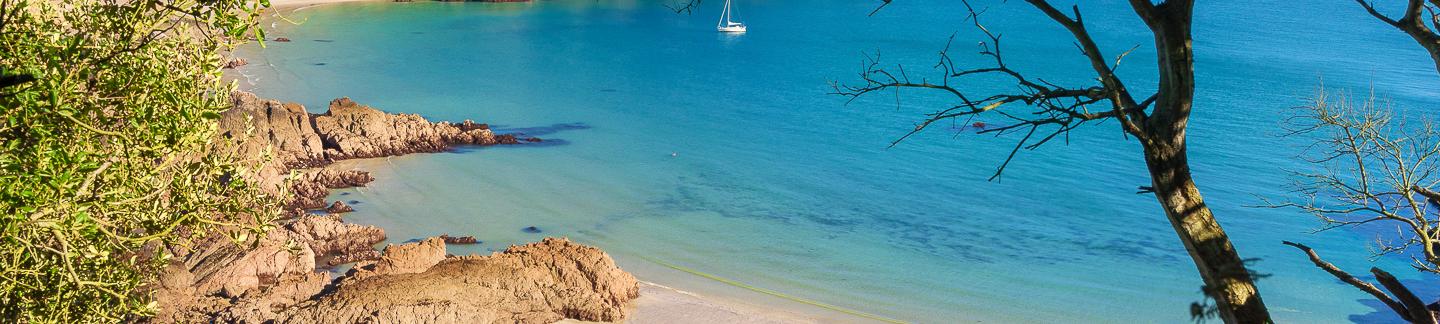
<point x="107" y="116"/>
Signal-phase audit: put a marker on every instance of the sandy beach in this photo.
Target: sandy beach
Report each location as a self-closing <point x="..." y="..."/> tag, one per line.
<point x="660" y="304"/>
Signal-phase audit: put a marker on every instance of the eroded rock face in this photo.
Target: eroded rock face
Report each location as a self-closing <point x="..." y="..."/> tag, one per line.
<point x="404" y="258"/>
<point x="275" y="278"/>
<point x="351" y="130"/>
<point x="327" y="235"/>
<point x="339" y="207"/>
<point x="219" y="275"/>
<point x="311" y="187"/>
<point x="459" y="239"/>
<point x="535" y="283"/>
<point x="284" y="126"/>
<point x="297" y="139"/>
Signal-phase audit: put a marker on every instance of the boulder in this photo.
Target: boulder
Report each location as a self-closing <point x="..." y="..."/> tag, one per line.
<point x="459" y="239"/>
<point x="535" y="283"/>
<point x="327" y="235"/>
<point x="339" y="207"/>
<point x="235" y="63"/>
<point x="406" y="258"/>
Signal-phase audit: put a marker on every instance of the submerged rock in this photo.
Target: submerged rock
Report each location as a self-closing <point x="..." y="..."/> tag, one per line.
<point x="459" y="239"/>
<point x="339" y="207"/>
<point x="531" y="229"/>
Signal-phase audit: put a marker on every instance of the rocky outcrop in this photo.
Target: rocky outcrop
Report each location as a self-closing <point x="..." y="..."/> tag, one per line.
<point x="339" y="207"/>
<point x="276" y="277"/>
<point x="350" y="130"/>
<point x="291" y="138"/>
<point x="347" y="130"/>
<point x="535" y="283"/>
<point x="459" y="239"/>
<point x="217" y="276"/>
<point x="310" y="188"/>
<point x="404" y="258"/>
<point x="235" y="63"/>
<point x="327" y="235"/>
<point x="335" y="179"/>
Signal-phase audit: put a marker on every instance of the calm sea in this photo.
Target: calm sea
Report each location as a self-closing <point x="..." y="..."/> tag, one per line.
<point x="668" y="144"/>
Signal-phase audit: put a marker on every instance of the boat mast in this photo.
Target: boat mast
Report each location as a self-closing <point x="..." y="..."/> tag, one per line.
<point x="724" y="16"/>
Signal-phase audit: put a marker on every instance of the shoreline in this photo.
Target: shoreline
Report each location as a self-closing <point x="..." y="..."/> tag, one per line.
<point x="296" y="4"/>
<point x="662" y="304"/>
<point x="658" y="303"/>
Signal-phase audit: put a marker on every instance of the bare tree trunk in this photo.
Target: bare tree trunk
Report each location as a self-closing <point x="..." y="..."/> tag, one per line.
<point x="1220" y="265"/>
<point x="1161" y="132"/>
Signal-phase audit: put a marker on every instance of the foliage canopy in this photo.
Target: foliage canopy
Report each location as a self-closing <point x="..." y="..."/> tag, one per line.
<point x="107" y="121"/>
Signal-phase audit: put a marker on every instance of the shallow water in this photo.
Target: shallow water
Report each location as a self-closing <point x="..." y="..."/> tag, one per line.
<point x="722" y="153"/>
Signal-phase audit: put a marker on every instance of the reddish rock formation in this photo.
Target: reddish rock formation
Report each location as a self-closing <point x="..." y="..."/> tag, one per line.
<point x="459" y="239"/>
<point x="401" y="259"/>
<point x="535" y="283"/>
<point x="208" y="282"/>
<point x="339" y="207"/>
<point x="350" y="130"/>
<point x="347" y="130"/>
<point x="327" y="235"/>
<point x="311" y="188"/>
<point x="274" y="278"/>
<point x="235" y="62"/>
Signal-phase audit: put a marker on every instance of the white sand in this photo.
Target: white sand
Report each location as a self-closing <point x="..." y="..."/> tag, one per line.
<point x="665" y="305"/>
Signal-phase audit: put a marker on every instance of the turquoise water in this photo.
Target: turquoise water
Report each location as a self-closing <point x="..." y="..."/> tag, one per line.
<point x="721" y="153"/>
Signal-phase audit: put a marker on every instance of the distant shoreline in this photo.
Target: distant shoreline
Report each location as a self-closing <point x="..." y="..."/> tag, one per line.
<point x="286" y="4"/>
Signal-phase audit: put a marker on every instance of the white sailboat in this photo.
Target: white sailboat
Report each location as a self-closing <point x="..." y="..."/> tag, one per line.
<point x="727" y="26"/>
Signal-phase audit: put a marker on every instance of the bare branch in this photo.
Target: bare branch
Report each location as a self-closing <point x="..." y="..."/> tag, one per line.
<point x="1347" y="278"/>
<point x="687" y="8"/>
<point x="1053" y="110"/>
<point x="1412" y="22"/>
